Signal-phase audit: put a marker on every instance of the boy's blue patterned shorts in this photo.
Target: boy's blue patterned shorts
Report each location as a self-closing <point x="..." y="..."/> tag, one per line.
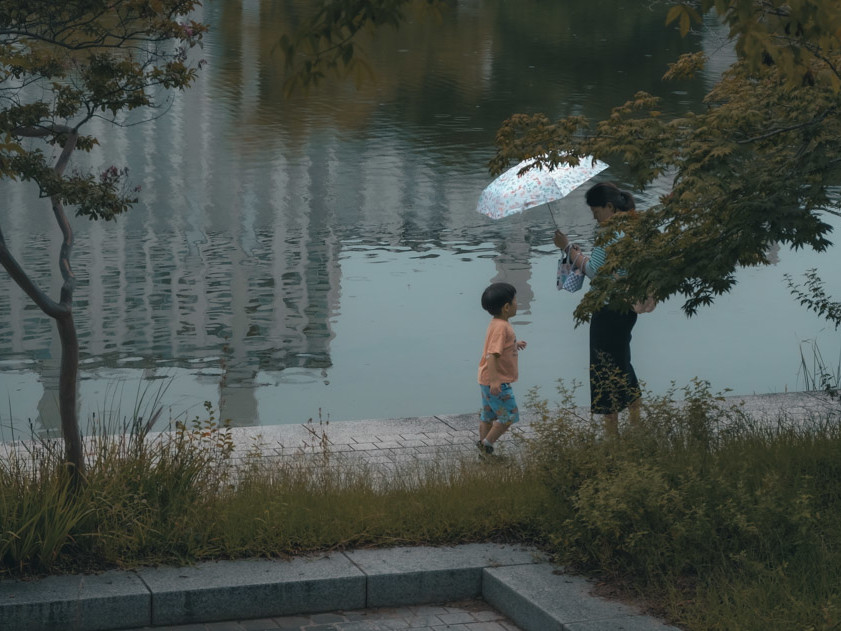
<point x="501" y="407"/>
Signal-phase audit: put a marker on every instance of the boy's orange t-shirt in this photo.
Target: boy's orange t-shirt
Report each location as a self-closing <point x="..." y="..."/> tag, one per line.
<point x="500" y="339"/>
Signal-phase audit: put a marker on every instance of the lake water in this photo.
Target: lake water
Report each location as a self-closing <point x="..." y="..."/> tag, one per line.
<point x="322" y="256"/>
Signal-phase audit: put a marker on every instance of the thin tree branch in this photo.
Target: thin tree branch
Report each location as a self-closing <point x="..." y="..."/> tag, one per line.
<point x="17" y="274"/>
<point x="39" y="131"/>
<point x="782" y="130"/>
<point x="69" y="146"/>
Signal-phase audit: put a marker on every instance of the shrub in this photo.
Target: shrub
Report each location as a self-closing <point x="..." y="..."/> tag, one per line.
<point x="699" y="495"/>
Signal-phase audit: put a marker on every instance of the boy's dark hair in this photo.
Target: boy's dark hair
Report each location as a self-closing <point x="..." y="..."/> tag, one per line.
<point x="497" y="296"/>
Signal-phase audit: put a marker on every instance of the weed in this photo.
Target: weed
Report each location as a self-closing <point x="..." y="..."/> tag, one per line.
<point x="181" y="496"/>
<point x="818" y="374"/>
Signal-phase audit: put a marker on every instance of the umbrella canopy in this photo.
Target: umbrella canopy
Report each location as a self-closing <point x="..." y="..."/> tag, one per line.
<point x="511" y="193"/>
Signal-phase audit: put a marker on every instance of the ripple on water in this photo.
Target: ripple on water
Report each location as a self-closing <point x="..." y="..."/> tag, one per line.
<point x="292" y="377"/>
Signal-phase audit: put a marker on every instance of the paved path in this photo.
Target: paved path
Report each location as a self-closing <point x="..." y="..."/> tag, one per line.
<point x="473" y="615"/>
<point x="383" y="445"/>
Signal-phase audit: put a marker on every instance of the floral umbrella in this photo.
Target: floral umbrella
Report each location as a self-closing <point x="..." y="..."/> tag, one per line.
<point x="511" y="193"/>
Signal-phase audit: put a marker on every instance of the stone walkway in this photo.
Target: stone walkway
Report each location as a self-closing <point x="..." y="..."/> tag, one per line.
<point x="382" y="446"/>
<point x="474" y="615"/>
<point x="489" y="587"/>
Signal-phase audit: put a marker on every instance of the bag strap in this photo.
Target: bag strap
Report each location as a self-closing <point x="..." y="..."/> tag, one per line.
<point x="579" y="255"/>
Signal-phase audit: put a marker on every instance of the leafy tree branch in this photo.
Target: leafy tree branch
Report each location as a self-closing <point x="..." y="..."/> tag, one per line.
<point x="814" y="297"/>
<point x="758" y="165"/>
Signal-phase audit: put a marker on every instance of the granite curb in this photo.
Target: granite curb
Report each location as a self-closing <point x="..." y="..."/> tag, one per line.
<point x="518" y="581"/>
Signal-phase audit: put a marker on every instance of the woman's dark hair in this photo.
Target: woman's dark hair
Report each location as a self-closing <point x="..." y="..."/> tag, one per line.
<point x="497" y="296"/>
<point x="603" y="192"/>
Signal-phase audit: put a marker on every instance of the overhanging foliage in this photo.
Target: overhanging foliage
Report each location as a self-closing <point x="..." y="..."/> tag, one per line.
<point x="760" y="164"/>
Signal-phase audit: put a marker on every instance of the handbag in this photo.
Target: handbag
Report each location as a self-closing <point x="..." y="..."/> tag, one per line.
<point x="569" y="277"/>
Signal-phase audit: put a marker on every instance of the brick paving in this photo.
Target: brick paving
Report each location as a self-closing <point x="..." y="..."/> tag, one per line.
<point x="380" y="446"/>
<point x="473" y="615"/>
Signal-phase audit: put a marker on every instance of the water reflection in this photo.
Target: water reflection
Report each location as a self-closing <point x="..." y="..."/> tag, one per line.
<point x="323" y="252"/>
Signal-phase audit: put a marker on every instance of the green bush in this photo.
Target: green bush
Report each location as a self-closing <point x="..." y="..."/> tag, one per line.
<point x="697" y="498"/>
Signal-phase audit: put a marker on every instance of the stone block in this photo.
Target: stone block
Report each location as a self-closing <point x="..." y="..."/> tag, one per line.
<point x="536" y="598"/>
<point x="225" y="590"/>
<point x="416" y="575"/>
<point x="96" y="602"/>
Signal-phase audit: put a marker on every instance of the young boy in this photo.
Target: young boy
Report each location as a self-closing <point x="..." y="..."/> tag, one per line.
<point x="498" y="366"/>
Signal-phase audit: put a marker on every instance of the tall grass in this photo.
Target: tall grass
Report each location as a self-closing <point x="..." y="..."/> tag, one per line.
<point x="39" y="514"/>
<point x="817" y="373"/>
<point x="290" y="511"/>
<point x="188" y="495"/>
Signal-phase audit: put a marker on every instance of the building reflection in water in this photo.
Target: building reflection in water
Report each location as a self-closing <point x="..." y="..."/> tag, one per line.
<point x="229" y="267"/>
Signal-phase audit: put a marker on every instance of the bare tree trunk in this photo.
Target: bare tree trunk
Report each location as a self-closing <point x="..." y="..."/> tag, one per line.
<point x="67" y="379"/>
<point x="68" y="375"/>
<point x="62" y="313"/>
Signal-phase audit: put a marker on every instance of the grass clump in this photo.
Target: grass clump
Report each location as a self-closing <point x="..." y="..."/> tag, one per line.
<point x="39" y="515"/>
<point x="726" y="522"/>
<point x="288" y="511"/>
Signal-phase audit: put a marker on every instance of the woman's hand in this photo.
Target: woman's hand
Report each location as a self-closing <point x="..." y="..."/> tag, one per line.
<point x="521" y="344"/>
<point x="561" y="239"/>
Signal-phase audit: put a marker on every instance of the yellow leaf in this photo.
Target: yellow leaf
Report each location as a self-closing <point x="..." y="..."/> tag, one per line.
<point x="674" y="14"/>
<point x="685" y="15"/>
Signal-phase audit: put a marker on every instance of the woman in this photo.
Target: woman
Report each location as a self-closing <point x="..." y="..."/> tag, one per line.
<point x="613" y="382"/>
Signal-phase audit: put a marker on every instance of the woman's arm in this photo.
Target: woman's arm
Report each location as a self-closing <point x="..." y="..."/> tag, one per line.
<point x="587" y="264"/>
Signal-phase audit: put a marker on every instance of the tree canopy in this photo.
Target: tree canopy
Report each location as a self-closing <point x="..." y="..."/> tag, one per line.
<point x="759" y="165"/>
<point x="63" y="64"/>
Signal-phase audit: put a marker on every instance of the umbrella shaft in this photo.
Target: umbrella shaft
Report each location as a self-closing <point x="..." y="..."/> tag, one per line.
<point x="549" y="205"/>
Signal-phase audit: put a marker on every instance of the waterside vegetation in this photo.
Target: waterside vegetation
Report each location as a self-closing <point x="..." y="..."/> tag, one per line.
<point x="711" y="518"/>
